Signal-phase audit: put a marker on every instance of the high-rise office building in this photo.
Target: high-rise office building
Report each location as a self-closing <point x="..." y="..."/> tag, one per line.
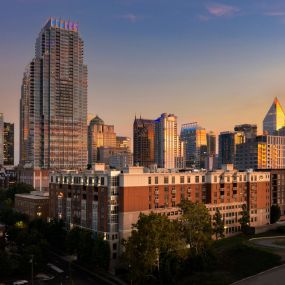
<point x="8" y="144"/>
<point x="274" y="119"/>
<point x="143" y="131"/>
<point x="99" y="135"/>
<point x="1" y="139"/>
<point x="249" y="130"/>
<point x="227" y="146"/>
<point x="195" y="141"/>
<point x="263" y="152"/>
<point x="123" y="142"/>
<point x="211" y="143"/>
<point x="53" y="106"/>
<point x="169" y="151"/>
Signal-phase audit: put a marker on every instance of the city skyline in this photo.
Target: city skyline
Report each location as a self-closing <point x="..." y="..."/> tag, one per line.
<point x="179" y="72"/>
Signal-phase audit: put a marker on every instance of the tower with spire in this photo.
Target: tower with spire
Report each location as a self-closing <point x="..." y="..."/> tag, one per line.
<point x="274" y="119"/>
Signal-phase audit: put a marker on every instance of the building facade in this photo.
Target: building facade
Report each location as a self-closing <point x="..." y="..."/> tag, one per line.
<point x="169" y="151"/>
<point x="274" y="119"/>
<point x="34" y="205"/>
<point x="264" y="152"/>
<point x="1" y="139"/>
<point x="195" y="141"/>
<point x="53" y="106"/>
<point x="99" y="135"/>
<point x="123" y="142"/>
<point x="109" y="202"/>
<point x="228" y="142"/>
<point x="8" y="144"/>
<point x="211" y="144"/>
<point x="143" y="142"/>
<point x="115" y="157"/>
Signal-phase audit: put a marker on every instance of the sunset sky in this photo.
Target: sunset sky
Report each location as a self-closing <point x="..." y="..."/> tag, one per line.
<point x="220" y="63"/>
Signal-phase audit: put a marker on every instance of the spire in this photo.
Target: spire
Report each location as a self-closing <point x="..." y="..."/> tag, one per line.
<point x="274" y="119"/>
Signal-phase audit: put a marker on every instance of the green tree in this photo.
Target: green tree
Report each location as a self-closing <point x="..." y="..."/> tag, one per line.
<point x="73" y="240"/>
<point x="19" y="188"/>
<point x="196" y="224"/>
<point x="275" y="214"/>
<point x="154" y="242"/>
<point x="244" y="220"/>
<point x="101" y="253"/>
<point x="218" y="225"/>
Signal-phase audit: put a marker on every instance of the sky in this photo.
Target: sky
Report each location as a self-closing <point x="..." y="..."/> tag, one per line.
<point x="219" y="63"/>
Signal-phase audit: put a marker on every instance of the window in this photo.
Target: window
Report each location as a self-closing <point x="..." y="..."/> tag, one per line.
<point x="165" y="180"/>
<point x="203" y="178"/>
<point x="173" y="179"/>
<point x="181" y="179"/>
<point x="188" y="179"/>
<point x="156" y="180"/>
<point x="196" y="179"/>
<point x="149" y="180"/>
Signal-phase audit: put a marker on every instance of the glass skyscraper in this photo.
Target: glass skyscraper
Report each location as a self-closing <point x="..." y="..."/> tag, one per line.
<point x="53" y="106"/>
<point x="195" y="140"/>
<point x="274" y="119"/>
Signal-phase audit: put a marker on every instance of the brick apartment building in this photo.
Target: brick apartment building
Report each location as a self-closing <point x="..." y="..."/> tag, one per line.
<point x="109" y="201"/>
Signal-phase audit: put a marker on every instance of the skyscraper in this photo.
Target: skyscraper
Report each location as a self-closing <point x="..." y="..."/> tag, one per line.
<point x="53" y="106"/>
<point x="168" y="148"/>
<point x="274" y="119"/>
<point x="99" y="135"/>
<point x="1" y="139"/>
<point x="227" y="146"/>
<point x="143" y="131"/>
<point x="8" y="144"/>
<point x="195" y="140"/>
<point x="123" y="142"/>
<point x="211" y="143"/>
<point x="249" y="130"/>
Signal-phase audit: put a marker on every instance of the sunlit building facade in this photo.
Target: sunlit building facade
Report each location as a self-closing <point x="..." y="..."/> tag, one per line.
<point x="274" y="119"/>
<point x="265" y="152"/>
<point x="53" y="106"/>
<point x="169" y="150"/>
<point x="109" y="202"/>
<point x="143" y="139"/>
<point x="195" y="141"/>
<point x="99" y="135"/>
<point x="123" y="142"/>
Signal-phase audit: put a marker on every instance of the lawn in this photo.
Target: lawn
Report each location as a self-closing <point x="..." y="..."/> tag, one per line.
<point x="235" y="259"/>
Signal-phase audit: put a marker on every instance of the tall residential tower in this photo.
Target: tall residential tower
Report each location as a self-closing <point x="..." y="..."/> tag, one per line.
<point x="53" y="106"/>
<point x="143" y="131"/>
<point x="168" y="148"/>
